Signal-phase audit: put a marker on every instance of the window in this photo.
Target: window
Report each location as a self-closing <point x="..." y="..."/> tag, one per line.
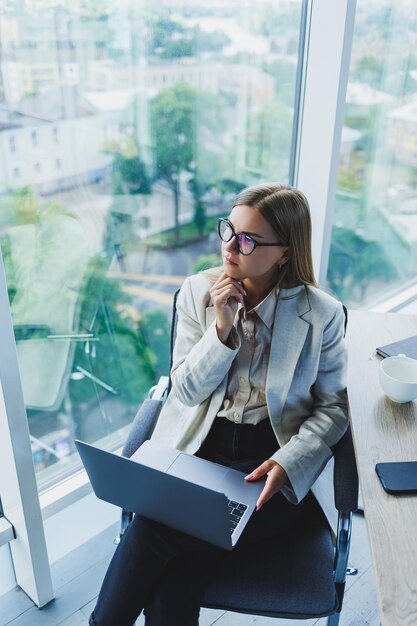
<point x="12" y="143"/>
<point x="110" y="238"/>
<point x="374" y="239"/>
<point x="16" y="172"/>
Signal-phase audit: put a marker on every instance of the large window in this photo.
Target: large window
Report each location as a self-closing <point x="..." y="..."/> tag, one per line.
<point x="125" y="131"/>
<point x="374" y="239"/>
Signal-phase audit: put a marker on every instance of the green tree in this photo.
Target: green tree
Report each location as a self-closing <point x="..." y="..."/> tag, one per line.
<point x="207" y="169"/>
<point x="129" y="176"/>
<point x="126" y="353"/>
<point x="22" y="207"/>
<point x="171" y="39"/>
<point x="129" y="180"/>
<point x="370" y="69"/>
<point x="173" y="119"/>
<point x="355" y="263"/>
<point x="163" y="30"/>
<point x="206" y="262"/>
<point x="153" y="341"/>
<point x="350" y="176"/>
<point x="268" y="141"/>
<point x="178" y="149"/>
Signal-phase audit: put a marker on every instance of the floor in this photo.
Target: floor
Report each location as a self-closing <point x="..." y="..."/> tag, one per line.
<point x="78" y="576"/>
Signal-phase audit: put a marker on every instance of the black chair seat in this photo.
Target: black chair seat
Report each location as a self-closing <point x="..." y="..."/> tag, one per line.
<point x="266" y="579"/>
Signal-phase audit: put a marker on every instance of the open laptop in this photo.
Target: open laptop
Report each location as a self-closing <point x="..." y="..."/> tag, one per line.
<point x="198" y="497"/>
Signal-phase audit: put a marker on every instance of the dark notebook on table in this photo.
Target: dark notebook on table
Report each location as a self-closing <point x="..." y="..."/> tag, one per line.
<point x="407" y="346"/>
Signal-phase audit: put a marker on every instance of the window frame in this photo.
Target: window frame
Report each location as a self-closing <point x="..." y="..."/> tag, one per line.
<point x="18" y="488"/>
<point x="322" y="106"/>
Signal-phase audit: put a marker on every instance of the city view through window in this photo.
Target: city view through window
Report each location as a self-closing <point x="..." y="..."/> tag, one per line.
<point x="374" y="238"/>
<point x="126" y="129"/>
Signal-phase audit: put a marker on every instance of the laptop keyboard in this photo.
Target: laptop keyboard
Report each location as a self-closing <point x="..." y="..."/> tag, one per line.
<point x="236" y="510"/>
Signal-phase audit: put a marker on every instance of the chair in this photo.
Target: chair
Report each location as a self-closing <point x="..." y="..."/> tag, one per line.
<point x="301" y="576"/>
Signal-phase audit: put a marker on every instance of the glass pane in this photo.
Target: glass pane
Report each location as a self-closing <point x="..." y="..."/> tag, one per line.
<point x="373" y="251"/>
<point x="126" y="131"/>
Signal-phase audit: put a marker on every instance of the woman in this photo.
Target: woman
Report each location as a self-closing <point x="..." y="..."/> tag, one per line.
<point x="258" y="384"/>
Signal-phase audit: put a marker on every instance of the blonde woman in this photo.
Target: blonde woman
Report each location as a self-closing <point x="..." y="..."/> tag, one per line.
<point x="258" y="384"/>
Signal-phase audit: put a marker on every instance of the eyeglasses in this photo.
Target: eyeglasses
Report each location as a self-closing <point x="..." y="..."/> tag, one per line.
<point x="245" y="243"/>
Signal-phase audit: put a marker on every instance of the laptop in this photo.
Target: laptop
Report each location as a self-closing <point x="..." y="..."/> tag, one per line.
<point x="203" y="499"/>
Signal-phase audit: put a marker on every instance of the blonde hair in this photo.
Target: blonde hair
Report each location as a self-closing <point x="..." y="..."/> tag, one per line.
<point x="286" y="209"/>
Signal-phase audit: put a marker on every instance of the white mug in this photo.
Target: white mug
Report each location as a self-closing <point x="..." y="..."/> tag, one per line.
<point x="398" y="378"/>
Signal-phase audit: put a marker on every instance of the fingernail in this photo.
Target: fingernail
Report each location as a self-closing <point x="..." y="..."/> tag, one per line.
<point x="248" y="476"/>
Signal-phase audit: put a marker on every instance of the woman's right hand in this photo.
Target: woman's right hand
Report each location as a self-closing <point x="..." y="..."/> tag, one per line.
<point x="226" y="295"/>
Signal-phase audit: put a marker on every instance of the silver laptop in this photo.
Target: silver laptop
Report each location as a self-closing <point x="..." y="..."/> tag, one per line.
<point x="198" y="497"/>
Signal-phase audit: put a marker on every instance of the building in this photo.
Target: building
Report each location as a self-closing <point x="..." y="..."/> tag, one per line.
<point x="402" y="133"/>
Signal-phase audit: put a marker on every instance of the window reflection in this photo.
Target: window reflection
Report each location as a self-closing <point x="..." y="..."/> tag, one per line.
<point x="128" y="131"/>
<point x="375" y="222"/>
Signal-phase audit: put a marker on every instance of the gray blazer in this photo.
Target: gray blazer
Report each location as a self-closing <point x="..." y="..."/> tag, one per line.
<point x="305" y="387"/>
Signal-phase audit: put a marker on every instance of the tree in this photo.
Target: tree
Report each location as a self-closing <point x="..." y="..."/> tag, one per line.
<point x="173" y="122"/>
<point x="24" y="207"/>
<point x="206" y="171"/>
<point x="129" y="176"/>
<point x="171" y="39"/>
<point x="268" y="141"/>
<point x="206" y="262"/>
<point x="183" y="145"/>
<point x="370" y="70"/>
<point x="354" y="263"/>
<point x="129" y="179"/>
<point x="129" y="355"/>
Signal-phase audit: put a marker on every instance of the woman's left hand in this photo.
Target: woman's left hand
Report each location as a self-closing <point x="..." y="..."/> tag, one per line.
<point x="277" y="478"/>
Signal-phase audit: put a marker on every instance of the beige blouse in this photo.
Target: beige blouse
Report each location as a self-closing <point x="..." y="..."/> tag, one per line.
<point x="245" y="400"/>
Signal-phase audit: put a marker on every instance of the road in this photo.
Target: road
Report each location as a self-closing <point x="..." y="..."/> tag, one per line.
<point x="145" y="272"/>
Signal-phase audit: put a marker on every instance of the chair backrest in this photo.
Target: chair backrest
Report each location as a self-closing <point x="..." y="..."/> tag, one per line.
<point x="174" y="322"/>
<point x="345" y="311"/>
<point x="345" y="478"/>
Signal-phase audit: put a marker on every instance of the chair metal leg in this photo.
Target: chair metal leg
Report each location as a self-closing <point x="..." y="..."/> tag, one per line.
<point x="343" y="545"/>
<point x="126" y="518"/>
<point x="333" y="620"/>
<point x="344" y="531"/>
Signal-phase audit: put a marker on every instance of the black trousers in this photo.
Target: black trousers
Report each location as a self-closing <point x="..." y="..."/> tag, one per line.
<point x="164" y="571"/>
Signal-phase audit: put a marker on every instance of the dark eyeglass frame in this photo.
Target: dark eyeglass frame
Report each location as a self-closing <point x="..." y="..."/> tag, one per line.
<point x="223" y="220"/>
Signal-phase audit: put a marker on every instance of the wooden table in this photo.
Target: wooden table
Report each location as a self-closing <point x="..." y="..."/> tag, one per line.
<point x="384" y="431"/>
